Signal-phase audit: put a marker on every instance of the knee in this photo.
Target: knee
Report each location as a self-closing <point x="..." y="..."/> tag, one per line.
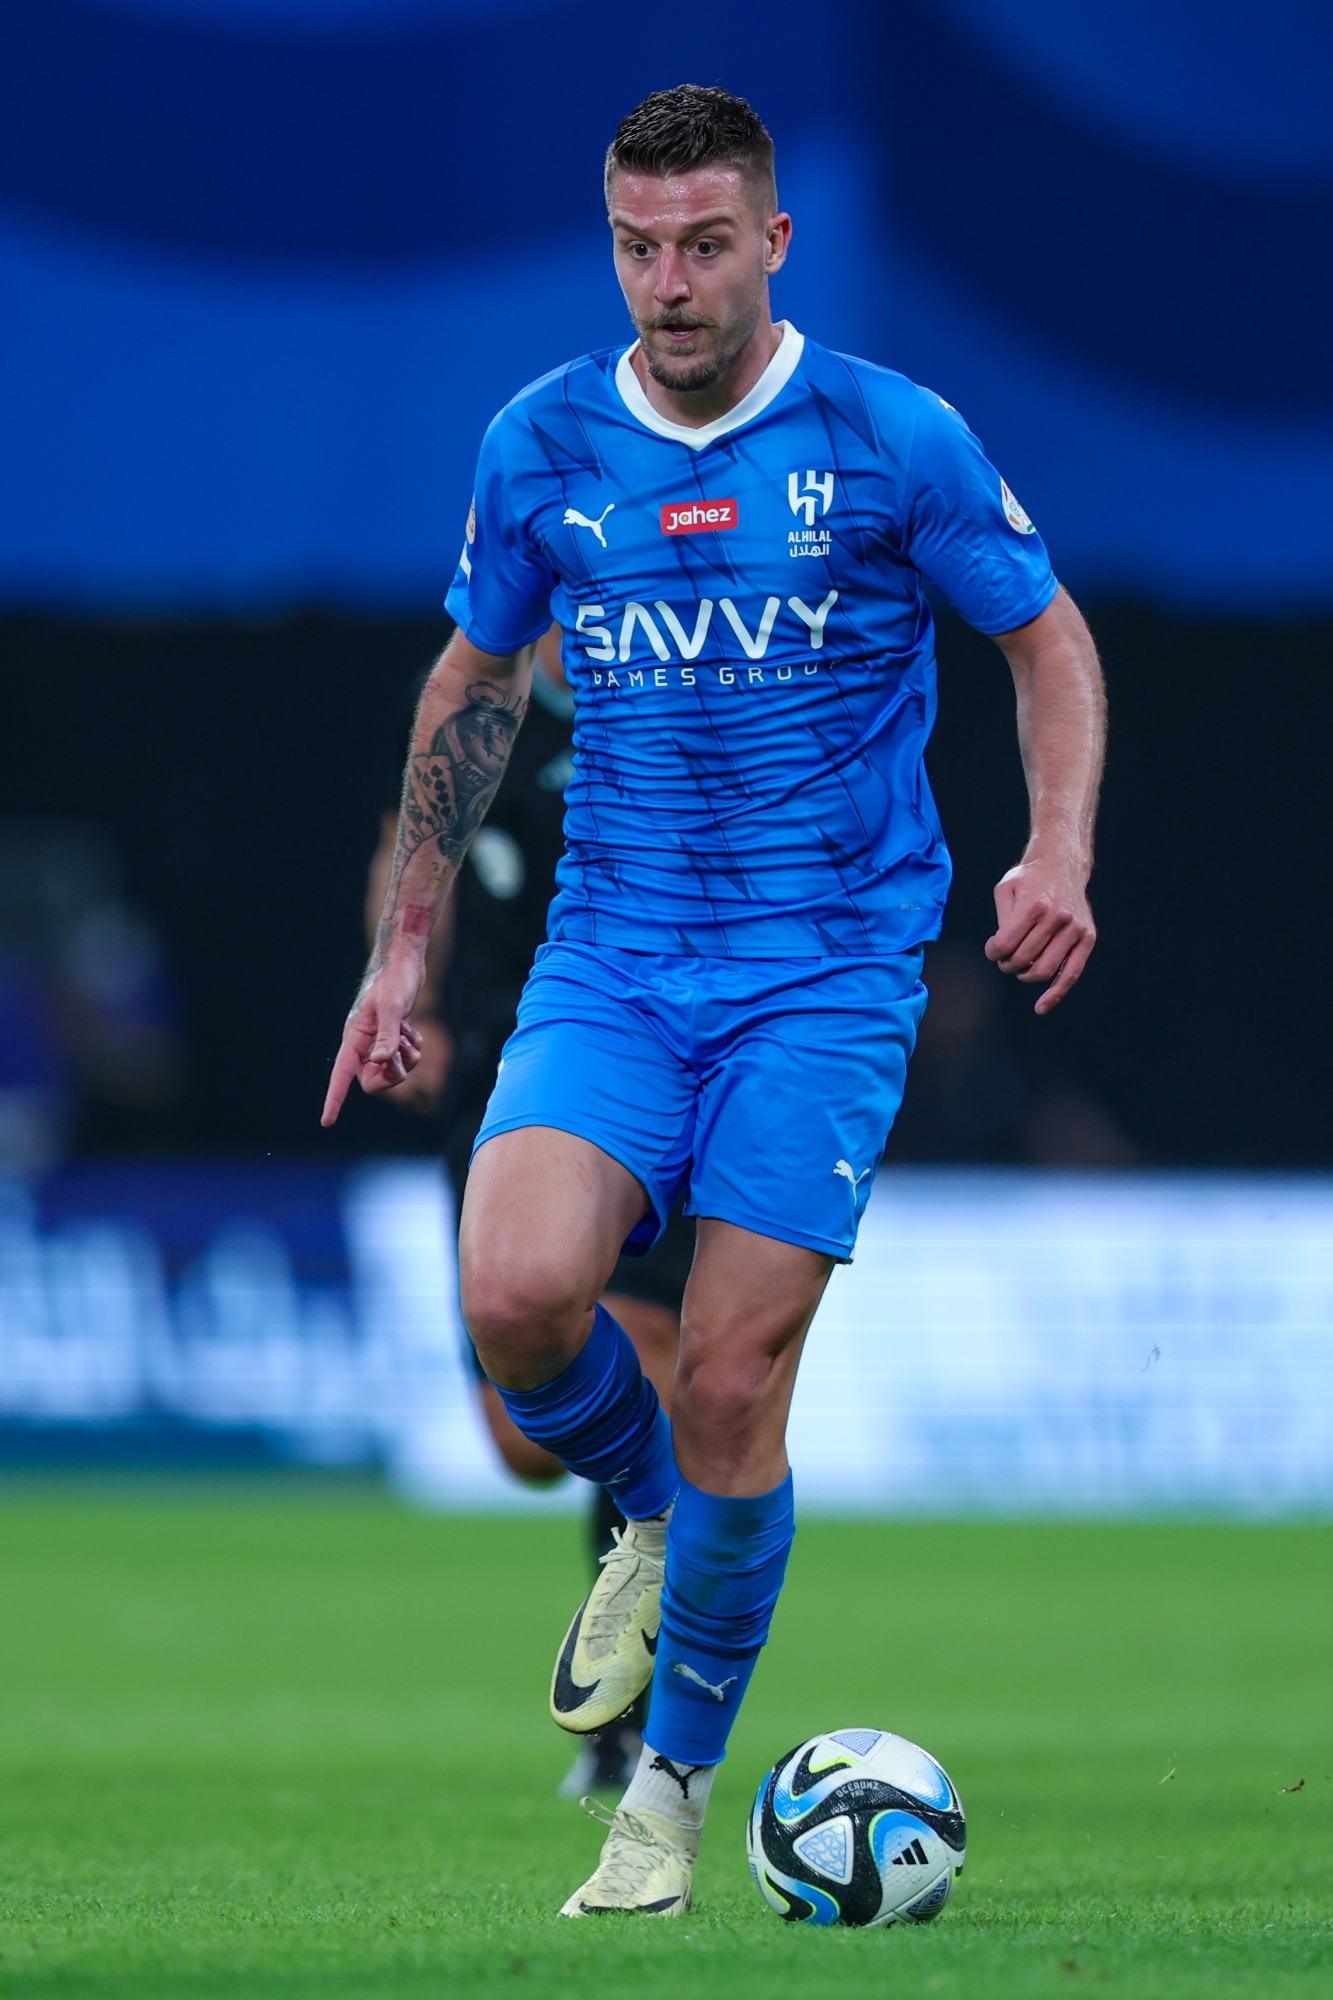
<point x="524" y="1317"/>
<point x="722" y="1391"/>
<point x="728" y="1373"/>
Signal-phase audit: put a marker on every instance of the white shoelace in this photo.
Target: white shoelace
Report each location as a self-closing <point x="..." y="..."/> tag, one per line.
<point x="628" y="1864"/>
<point x="607" y="1621"/>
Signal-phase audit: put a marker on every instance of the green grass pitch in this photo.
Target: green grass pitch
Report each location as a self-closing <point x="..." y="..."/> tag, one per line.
<point x="258" y="1743"/>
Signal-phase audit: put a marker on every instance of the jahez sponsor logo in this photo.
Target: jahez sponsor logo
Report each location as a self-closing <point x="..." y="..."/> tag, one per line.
<point x="698" y="517"/>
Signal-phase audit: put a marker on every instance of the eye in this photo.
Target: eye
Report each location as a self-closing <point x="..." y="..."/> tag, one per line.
<point x="640" y="251"/>
<point x="706" y="247"/>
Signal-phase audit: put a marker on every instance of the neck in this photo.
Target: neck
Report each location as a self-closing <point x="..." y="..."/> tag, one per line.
<point x="697" y="407"/>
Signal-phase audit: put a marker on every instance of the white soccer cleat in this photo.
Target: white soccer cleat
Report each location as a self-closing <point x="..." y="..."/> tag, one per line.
<point x="607" y="1658"/>
<point x="646" y="1868"/>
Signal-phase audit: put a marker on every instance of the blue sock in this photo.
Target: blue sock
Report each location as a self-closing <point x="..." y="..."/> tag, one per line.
<point x="601" y="1417"/>
<point x="724" y="1568"/>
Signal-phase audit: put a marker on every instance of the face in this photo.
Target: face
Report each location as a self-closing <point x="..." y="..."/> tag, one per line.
<point x="694" y="255"/>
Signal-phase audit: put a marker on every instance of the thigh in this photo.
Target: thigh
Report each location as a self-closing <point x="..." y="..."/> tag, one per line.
<point x="586" y="1059"/>
<point x="805" y="1078"/>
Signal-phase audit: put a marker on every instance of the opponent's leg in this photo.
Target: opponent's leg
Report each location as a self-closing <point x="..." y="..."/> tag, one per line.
<point x="527" y="1461"/>
<point x="748" y="1306"/>
<point x="543" y="1222"/>
<point x="655" y="1332"/>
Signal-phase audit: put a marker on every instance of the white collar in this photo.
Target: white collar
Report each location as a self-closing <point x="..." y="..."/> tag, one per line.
<point x="774" y="378"/>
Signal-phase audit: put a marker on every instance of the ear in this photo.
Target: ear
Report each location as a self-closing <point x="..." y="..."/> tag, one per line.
<point x="778" y="236"/>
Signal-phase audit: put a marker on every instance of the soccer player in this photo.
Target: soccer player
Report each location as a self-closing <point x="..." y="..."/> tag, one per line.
<point x="734" y="528"/>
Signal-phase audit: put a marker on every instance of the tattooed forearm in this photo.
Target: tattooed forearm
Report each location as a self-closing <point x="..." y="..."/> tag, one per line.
<point x="447" y="792"/>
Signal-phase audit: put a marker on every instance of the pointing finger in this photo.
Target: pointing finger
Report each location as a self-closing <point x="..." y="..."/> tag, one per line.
<point x="344" y="1069"/>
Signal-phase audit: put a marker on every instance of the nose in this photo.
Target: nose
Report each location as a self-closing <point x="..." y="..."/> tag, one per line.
<point x="673" y="281"/>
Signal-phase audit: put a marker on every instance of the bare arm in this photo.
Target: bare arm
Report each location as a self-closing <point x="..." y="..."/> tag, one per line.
<point x="440" y="949"/>
<point x="422" y="1091"/>
<point x="1044" y="927"/>
<point x="466" y="723"/>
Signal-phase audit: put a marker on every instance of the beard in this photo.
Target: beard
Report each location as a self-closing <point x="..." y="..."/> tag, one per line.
<point x="695" y="373"/>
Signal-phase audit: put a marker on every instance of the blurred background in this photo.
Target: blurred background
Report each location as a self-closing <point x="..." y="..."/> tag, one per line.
<point x="267" y="268"/>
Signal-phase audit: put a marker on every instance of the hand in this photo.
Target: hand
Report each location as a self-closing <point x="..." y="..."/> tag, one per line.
<point x="380" y="1047"/>
<point x="1045" y="928"/>
<point x="422" y="1091"/>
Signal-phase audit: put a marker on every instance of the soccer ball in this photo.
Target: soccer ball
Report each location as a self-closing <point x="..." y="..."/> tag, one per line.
<point x="858" y="1827"/>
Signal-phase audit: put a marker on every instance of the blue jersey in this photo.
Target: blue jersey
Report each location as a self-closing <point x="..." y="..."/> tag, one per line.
<point x="749" y="642"/>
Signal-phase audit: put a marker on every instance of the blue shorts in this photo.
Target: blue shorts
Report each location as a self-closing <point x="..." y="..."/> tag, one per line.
<point x="767" y="1086"/>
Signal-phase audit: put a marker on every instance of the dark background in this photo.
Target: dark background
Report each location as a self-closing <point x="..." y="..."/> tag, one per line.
<point x="241" y="767"/>
<point x="270" y="266"/>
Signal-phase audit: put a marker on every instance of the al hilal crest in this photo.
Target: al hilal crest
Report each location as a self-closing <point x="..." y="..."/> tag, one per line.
<point x="1014" y="513"/>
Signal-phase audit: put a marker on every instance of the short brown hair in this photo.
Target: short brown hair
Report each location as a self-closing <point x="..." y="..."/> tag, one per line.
<point x="694" y="125"/>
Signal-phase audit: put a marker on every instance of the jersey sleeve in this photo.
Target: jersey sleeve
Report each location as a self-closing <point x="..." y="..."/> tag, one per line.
<point x="965" y="531"/>
<point x="501" y="592"/>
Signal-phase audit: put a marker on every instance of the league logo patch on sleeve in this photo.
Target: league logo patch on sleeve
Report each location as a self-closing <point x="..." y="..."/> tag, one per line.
<point x="469" y="537"/>
<point x="1014" y="513"/>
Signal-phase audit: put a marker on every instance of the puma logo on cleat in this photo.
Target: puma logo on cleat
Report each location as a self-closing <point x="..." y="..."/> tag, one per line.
<point x="718" y="1692"/>
<point x="844" y="1167"/>
<point x="649" y="1645"/>
<point x="573" y="519"/>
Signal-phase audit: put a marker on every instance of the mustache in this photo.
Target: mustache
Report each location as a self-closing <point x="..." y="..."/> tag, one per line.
<point x="674" y="323"/>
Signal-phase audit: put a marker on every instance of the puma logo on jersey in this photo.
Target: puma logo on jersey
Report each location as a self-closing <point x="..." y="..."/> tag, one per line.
<point x="844" y="1168"/>
<point x="573" y="519"/>
<point x="698" y="517"/>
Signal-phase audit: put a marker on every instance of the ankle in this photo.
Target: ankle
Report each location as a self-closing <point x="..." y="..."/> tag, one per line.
<point x="676" y="1792"/>
<point x="651" y="1534"/>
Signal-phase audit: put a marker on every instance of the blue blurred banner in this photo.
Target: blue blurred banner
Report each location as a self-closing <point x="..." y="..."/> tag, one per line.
<point x="270" y="265"/>
<point x="1005" y="1341"/>
<point x="193" y="1315"/>
<point x="1069" y="1343"/>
